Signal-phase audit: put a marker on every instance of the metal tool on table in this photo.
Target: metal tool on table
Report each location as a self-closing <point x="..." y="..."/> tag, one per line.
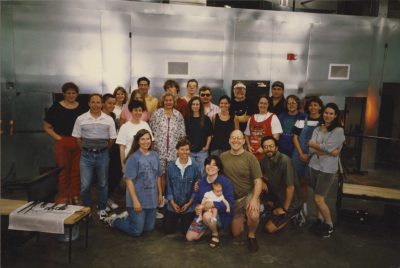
<point x="29" y="207"/>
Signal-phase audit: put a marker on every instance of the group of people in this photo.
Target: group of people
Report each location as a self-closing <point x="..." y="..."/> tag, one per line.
<point x="214" y="166"/>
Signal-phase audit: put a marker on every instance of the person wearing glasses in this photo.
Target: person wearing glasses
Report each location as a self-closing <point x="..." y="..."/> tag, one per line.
<point x="210" y="109"/>
<point x="282" y="195"/>
<point x="288" y="120"/>
<point x="243" y="170"/>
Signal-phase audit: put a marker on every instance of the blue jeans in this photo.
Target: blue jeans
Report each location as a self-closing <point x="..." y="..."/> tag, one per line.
<point x="137" y="222"/>
<point x="199" y="158"/>
<point x="91" y="164"/>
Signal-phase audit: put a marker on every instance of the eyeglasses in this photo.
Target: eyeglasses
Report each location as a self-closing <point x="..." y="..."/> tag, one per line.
<point x="292" y="103"/>
<point x="236" y="138"/>
<point x="205" y="95"/>
<point x="269" y="147"/>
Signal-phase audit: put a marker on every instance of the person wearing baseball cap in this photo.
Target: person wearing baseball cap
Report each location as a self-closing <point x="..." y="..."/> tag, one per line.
<point x="277" y="100"/>
<point x="240" y="105"/>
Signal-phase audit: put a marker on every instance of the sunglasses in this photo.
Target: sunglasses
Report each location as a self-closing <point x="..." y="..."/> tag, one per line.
<point x="205" y="95"/>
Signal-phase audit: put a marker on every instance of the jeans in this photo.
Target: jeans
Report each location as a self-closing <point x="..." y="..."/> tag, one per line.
<point x="137" y="222"/>
<point x="92" y="164"/>
<point x="199" y="158"/>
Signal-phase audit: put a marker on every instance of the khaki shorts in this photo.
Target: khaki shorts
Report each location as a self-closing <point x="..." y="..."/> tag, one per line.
<point x="241" y="205"/>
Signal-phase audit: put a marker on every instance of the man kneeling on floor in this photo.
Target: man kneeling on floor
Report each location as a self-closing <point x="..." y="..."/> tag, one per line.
<point x="282" y="197"/>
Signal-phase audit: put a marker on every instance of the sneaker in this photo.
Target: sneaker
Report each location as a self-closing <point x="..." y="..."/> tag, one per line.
<point x="102" y="214"/>
<point x="123" y="215"/>
<point x="159" y="216"/>
<point x="108" y="209"/>
<point x="325" y="231"/>
<point x="252" y="244"/>
<point x="305" y="209"/>
<point x="109" y="220"/>
<point x="112" y="204"/>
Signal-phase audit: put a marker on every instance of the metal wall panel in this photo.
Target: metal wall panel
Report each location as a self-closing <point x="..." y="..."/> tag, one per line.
<point x="391" y="71"/>
<point x="252" y="49"/>
<point x="347" y="44"/>
<point x="53" y="45"/>
<point x="158" y="39"/>
<point x="115" y="50"/>
<point x="290" y="36"/>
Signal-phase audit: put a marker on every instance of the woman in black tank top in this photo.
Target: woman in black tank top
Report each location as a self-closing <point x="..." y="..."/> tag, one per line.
<point x="223" y="124"/>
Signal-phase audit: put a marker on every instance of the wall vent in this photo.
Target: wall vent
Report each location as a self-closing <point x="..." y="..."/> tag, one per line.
<point x="178" y="68"/>
<point x="339" y="71"/>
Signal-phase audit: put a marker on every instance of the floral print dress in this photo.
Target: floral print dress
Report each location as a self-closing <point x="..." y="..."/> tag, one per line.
<point x="166" y="131"/>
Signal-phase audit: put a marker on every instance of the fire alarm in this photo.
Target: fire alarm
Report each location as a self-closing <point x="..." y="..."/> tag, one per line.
<point x="291" y="56"/>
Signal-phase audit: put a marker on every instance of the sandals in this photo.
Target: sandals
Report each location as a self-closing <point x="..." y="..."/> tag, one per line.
<point x="214" y="241"/>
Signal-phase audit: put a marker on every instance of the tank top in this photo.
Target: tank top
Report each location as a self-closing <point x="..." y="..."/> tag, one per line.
<point x="222" y="131"/>
<point x="258" y="130"/>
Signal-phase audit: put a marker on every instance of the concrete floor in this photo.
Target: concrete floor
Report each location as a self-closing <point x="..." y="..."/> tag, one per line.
<point x="354" y="244"/>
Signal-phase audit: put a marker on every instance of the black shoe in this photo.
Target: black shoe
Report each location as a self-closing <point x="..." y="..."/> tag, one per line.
<point x="325" y="231"/>
<point x="252" y="244"/>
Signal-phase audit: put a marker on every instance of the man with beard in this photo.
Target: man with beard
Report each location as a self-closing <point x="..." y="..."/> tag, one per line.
<point x="282" y="198"/>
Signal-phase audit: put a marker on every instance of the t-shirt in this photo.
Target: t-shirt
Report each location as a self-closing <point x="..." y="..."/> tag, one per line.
<point x="210" y="196"/>
<point x="242" y="111"/>
<point x="144" y="171"/>
<point x="94" y="132"/>
<point x="128" y="131"/>
<point x="63" y="119"/>
<point x="278" y="108"/>
<point x="280" y="173"/>
<point x="241" y="170"/>
<point x="198" y="135"/>
<point x="276" y="127"/>
<point x="285" y="141"/>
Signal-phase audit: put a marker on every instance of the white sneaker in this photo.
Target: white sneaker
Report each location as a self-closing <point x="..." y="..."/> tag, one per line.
<point x="112" y="204"/>
<point x="123" y="215"/>
<point x="102" y="214"/>
<point x="109" y="220"/>
<point x="305" y="209"/>
<point x="159" y="216"/>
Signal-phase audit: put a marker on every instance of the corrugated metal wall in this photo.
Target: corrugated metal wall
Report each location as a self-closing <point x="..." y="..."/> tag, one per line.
<point x="44" y="44"/>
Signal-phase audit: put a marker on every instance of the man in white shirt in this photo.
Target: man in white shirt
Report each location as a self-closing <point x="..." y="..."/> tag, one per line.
<point x="95" y="132"/>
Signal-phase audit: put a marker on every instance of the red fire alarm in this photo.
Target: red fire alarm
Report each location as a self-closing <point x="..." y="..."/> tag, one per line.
<point x="291" y="56"/>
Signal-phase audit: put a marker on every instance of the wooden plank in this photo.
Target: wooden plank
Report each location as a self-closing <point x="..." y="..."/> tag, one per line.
<point x="371" y="191"/>
<point x="77" y="216"/>
<point x="8" y="205"/>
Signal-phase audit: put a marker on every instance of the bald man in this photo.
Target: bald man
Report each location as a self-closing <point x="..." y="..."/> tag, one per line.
<point x="243" y="170"/>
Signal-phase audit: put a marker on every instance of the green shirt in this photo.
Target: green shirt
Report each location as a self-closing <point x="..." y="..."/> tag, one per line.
<point x="280" y="173"/>
<point x="241" y="170"/>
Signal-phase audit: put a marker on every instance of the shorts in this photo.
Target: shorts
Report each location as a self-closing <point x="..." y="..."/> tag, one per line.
<point x="320" y="181"/>
<point x="241" y="205"/>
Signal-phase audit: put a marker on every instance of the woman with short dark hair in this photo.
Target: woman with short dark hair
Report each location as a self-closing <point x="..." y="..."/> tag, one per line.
<point x="182" y="174"/>
<point x="214" y="170"/>
<point x="58" y="124"/>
